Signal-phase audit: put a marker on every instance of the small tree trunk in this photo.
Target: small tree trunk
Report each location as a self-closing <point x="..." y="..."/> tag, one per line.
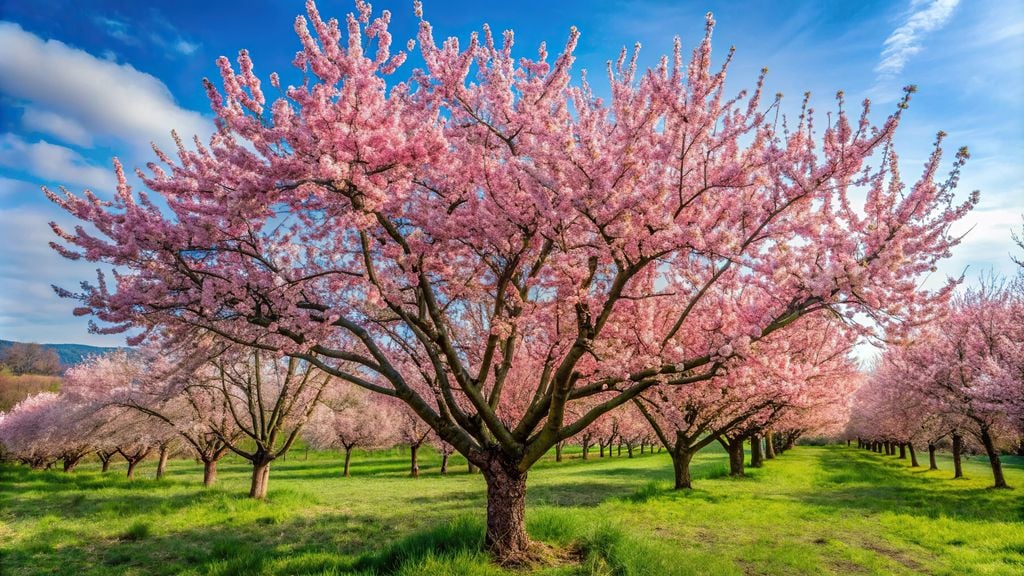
<point x="131" y="468"/>
<point x="681" y="466"/>
<point x="756" y="455"/>
<point x="558" y="452"/>
<point x="71" y="462"/>
<point x="415" y="466"/>
<point x="958" y="448"/>
<point x="735" y="457"/>
<point x="601" y="444"/>
<point x="931" y="457"/>
<point x="444" y="463"/>
<point x="629" y="449"/>
<point x="506" y="537"/>
<point x="620" y="449"/>
<point x="348" y="460"/>
<point x="161" y="465"/>
<point x="993" y="458"/>
<point x="903" y="450"/>
<point x="586" y="450"/>
<point x="913" y="455"/>
<point x="209" y="472"/>
<point x="769" y="446"/>
<point x="642" y="446"/>
<point x="105" y="461"/>
<point x="260" y="478"/>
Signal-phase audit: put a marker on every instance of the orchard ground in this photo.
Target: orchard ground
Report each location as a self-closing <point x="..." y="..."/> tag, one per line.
<point x="813" y="510"/>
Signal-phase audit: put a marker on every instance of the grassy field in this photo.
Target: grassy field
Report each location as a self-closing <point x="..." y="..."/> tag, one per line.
<point x="814" y="510"/>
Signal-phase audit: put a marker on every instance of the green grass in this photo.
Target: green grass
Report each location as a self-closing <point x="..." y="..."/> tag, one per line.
<point x="814" y="510"/>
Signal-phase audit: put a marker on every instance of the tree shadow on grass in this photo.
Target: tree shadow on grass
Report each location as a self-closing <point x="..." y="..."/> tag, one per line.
<point x="853" y="480"/>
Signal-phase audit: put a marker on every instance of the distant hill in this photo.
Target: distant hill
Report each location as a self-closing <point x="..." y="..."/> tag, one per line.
<point x="70" y="354"/>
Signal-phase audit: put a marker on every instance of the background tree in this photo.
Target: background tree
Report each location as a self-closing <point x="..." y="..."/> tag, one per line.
<point x="21" y="358"/>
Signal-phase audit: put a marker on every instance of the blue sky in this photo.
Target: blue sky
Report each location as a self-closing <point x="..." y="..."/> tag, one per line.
<point x="81" y="82"/>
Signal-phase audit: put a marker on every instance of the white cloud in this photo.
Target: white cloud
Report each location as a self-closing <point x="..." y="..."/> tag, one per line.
<point x="13" y="187"/>
<point x="904" y="42"/>
<point x="64" y="128"/>
<point x="116" y="29"/>
<point x="101" y="96"/>
<point x="53" y="163"/>
<point x="29" y="308"/>
<point x="185" y="47"/>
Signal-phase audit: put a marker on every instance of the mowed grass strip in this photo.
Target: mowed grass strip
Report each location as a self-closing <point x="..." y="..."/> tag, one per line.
<point x="813" y="510"/>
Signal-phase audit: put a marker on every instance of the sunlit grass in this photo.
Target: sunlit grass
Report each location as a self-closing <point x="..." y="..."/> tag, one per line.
<point x="811" y="511"/>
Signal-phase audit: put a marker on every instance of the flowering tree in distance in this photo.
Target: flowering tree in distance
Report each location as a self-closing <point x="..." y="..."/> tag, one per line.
<point x="490" y="243"/>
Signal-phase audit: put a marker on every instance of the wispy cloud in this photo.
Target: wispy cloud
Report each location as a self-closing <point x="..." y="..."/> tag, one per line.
<point x="925" y="16"/>
<point x="67" y="91"/>
<point x="53" y="163"/>
<point x="158" y="31"/>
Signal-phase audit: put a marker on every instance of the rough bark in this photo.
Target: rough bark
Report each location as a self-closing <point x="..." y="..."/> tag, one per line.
<point x="913" y="455"/>
<point x="414" y="469"/>
<point x="105" y="458"/>
<point x="769" y="446"/>
<point x="260" y="479"/>
<point x="71" y="462"/>
<point x="161" y="465"/>
<point x="931" y="457"/>
<point x="903" y="450"/>
<point x="681" y="465"/>
<point x="756" y="455"/>
<point x="131" y="468"/>
<point x="993" y="458"/>
<point x="958" y="448"/>
<point x="506" y="537"/>
<point x="209" y="473"/>
<point x="735" y="449"/>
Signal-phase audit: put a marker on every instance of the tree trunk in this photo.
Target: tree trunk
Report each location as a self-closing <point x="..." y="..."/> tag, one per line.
<point x="558" y="452"/>
<point x="681" y="465"/>
<point x="506" y="537"/>
<point x="931" y="457"/>
<point x="70" y="463"/>
<point x="209" y="472"/>
<point x="756" y="455"/>
<point x="105" y="461"/>
<point x="735" y="457"/>
<point x="913" y="455"/>
<point x="642" y="446"/>
<point x="260" y="479"/>
<point x="586" y="450"/>
<point x="993" y="458"/>
<point x="414" y="469"/>
<point x="629" y="449"/>
<point x="769" y="446"/>
<point x="161" y="465"/>
<point x="131" y="468"/>
<point x="958" y="448"/>
<point x="472" y="468"/>
<point x="444" y="463"/>
<point x="601" y="444"/>
<point x="620" y="449"/>
<point x="348" y="459"/>
<point x="903" y="450"/>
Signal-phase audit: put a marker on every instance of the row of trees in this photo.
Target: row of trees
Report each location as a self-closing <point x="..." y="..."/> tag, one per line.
<point x="161" y="401"/>
<point x="507" y="254"/>
<point x="959" y="381"/>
